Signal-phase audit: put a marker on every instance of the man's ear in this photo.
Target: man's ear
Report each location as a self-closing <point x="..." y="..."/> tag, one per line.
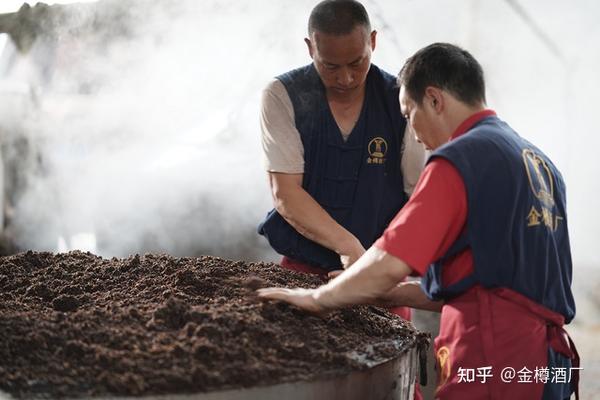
<point x="310" y="47"/>
<point x="433" y="98"/>
<point x="373" y="40"/>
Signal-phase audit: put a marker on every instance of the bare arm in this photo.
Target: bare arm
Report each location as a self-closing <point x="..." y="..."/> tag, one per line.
<point x="301" y="211"/>
<point x="284" y="161"/>
<point x="408" y="294"/>
<point x="367" y="281"/>
<point x="375" y="277"/>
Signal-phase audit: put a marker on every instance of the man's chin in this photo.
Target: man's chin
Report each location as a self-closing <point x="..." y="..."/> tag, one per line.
<point x="345" y="90"/>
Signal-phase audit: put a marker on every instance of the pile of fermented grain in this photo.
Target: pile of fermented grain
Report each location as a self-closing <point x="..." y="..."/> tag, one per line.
<point x="79" y="325"/>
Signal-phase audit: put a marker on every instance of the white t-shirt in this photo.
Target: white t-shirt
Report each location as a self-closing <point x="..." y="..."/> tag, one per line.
<point x="283" y="150"/>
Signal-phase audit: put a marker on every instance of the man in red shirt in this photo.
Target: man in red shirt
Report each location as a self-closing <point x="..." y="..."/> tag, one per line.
<point x="486" y="227"/>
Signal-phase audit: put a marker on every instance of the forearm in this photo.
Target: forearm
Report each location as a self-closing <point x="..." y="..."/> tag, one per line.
<point x="408" y="294"/>
<point x="368" y="279"/>
<point x="301" y="211"/>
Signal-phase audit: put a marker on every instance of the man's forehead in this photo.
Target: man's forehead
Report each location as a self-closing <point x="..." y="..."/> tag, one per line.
<point x="358" y="30"/>
<point x="356" y="38"/>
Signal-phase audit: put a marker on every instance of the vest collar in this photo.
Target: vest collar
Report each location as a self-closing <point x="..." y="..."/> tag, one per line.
<point x="471" y="121"/>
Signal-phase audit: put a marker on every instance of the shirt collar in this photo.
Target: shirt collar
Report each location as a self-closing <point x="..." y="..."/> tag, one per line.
<point x="471" y="121"/>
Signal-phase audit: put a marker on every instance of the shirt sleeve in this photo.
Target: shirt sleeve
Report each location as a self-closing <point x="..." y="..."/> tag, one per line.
<point x="431" y="220"/>
<point x="282" y="147"/>
<point x="413" y="160"/>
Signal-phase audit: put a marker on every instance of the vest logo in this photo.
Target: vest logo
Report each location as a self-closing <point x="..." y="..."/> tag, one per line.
<point x="540" y="177"/>
<point x="541" y="183"/>
<point x="444" y="365"/>
<point x="377" y="149"/>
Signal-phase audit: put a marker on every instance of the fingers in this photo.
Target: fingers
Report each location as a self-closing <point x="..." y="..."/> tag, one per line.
<point x="334" y="274"/>
<point x="302" y="298"/>
<point x="274" y="293"/>
<point x="345" y="260"/>
<point x="349" y="258"/>
<point x="293" y="296"/>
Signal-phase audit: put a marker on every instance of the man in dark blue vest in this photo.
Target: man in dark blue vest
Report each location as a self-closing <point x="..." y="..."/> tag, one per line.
<point x="486" y="227"/>
<point x="339" y="164"/>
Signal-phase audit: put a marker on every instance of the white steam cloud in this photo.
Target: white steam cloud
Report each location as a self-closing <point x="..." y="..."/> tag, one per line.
<point x="144" y="136"/>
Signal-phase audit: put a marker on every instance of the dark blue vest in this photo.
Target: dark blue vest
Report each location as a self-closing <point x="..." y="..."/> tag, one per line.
<point x="358" y="182"/>
<point x="516" y="222"/>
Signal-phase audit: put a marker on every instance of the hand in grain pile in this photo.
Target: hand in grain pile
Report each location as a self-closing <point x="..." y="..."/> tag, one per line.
<point x="350" y="252"/>
<point x="305" y="299"/>
<point x="365" y="282"/>
<point x="348" y="257"/>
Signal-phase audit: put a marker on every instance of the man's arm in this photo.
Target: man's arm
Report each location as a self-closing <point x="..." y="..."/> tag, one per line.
<point x="310" y="220"/>
<point x="373" y="279"/>
<point x="408" y="294"/>
<point x="284" y="159"/>
<point x="421" y="233"/>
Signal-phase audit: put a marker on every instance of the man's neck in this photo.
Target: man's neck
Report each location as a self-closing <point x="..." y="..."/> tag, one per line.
<point x="459" y="113"/>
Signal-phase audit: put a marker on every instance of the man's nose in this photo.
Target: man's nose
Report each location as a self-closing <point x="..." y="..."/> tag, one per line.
<point x="345" y="77"/>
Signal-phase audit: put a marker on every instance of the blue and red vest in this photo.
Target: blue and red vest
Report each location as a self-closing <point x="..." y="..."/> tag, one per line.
<point x="516" y="228"/>
<point x="516" y="223"/>
<point x="358" y="181"/>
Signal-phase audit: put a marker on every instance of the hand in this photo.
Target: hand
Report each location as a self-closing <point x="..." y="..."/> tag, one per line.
<point x="334" y="274"/>
<point x="302" y="298"/>
<point x="350" y="253"/>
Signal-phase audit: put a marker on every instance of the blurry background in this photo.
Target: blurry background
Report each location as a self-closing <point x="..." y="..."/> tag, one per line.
<point x="132" y="126"/>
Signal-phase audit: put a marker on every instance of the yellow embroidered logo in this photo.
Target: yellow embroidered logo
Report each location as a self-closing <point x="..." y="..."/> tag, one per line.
<point x="541" y="183"/>
<point x="540" y="177"/>
<point x="445" y="365"/>
<point x="377" y="149"/>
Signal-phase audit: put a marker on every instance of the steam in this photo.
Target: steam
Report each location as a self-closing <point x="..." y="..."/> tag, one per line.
<point x="150" y="141"/>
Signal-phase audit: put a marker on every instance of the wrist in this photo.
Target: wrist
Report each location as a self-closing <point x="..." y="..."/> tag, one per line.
<point x="349" y="245"/>
<point x="323" y="297"/>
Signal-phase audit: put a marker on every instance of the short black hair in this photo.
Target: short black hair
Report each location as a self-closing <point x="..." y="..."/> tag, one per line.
<point x="447" y="67"/>
<point x="338" y="17"/>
